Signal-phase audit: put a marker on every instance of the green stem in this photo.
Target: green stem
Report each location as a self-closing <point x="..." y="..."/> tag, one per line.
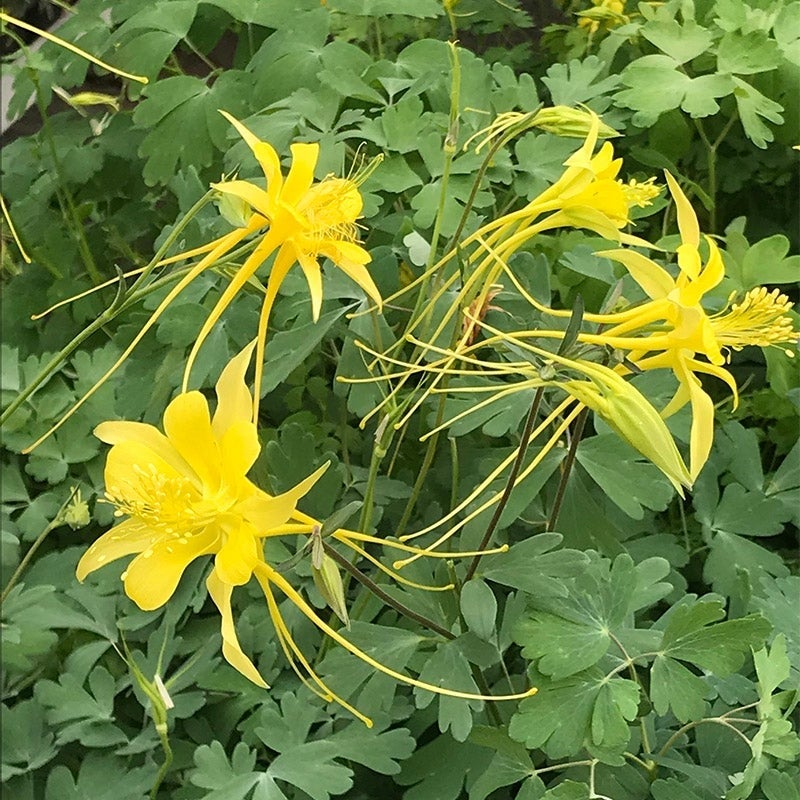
<point x="110" y="313"/>
<point x="164" y="769"/>
<point x="569" y="461"/>
<point x="55" y="523"/>
<point x="383" y="439"/>
<point x="427" y="460"/>
<point x="77" y="225"/>
<point x="449" y="148"/>
<point x="533" y="412"/>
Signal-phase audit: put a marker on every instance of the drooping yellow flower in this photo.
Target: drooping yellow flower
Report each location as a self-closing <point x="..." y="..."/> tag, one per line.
<point x="185" y="494"/>
<point x="298" y="220"/>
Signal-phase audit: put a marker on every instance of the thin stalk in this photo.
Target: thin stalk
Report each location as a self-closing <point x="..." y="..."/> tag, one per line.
<point x="55" y="523"/>
<point x="454" y="471"/>
<point x="383" y="438"/>
<point x="164" y="768"/>
<point x="110" y="313"/>
<point x="449" y="148"/>
<point x="77" y="225"/>
<point x="569" y="461"/>
<point x="427" y="460"/>
<point x="533" y="412"/>
<point x="373" y="587"/>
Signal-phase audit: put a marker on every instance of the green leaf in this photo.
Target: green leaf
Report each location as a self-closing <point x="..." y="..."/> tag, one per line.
<point x="449" y="668"/>
<point x="779" y="786"/>
<point x="656" y="86"/>
<point x="731" y="554"/>
<point x="286" y="350"/>
<point x="680" y="42"/>
<point x="529" y="566"/>
<point x="773" y="668"/>
<point x="719" y="648"/>
<point x="184" y="125"/>
<point x="778" y="602"/>
<point x="27" y="745"/>
<point x="421" y="9"/>
<point x="598" y="710"/>
<point x="766" y="262"/>
<point x="574" y="632"/>
<point x="747" y="54"/>
<point x="753" y="107"/>
<point x="626" y="479"/>
<point x="579" y="82"/>
<point x="84" y="716"/>
<point x="93" y="780"/>
<point x="749" y="513"/>
<point x="479" y="608"/>
<point x="673" y="686"/>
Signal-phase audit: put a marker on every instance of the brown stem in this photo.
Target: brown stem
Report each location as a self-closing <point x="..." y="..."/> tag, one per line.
<point x="568" y="462"/>
<point x="512" y="476"/>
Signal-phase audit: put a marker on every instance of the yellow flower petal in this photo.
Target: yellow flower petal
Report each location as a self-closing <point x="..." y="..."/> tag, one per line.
<point x="220" y="593"/>
<point x="128" y="461"/>
<point x="655" y="281"/>
<point x="301" y="173"/>
<point x="152" y="576"/>
<point x="687" y="219"/>
<point x="188" y="427"/>
<point x="266" y="512"/>
<point x="265" y="155"/>
<point x="313" y="273"/>
<point x="122" y="540"/>
<point x="251" y="194"/>
<point x="702" y="434"/>
<point x="238" y="555"/>
<point x="234" y="401"/>
<point x="118" y="431"/>
<point x="238" y="449"/>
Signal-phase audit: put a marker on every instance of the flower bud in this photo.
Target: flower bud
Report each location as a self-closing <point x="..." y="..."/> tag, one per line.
<point x="328" y="581"/>
<point x="566" y="121"/>
<point x="630" y="415"/>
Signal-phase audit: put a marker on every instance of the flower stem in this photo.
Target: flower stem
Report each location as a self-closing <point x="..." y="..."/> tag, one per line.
<point x="533" y="412"/>
<point x="55" y="523"/>
<point x="569" y="461"/>
<point x="110" y="313"/>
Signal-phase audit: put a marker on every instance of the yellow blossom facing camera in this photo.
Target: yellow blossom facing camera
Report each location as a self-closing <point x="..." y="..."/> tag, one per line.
<point x="184" y="494"/>
<point x="298" y="221"/>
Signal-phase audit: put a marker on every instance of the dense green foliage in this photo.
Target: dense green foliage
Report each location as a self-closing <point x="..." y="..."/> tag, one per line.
<point x="662" y="632"/>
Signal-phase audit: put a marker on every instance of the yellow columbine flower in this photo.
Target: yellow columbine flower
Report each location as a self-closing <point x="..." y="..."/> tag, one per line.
<point x="185" y="494"/>
<point x="299" y="221"/>
<point x="673" y="329"/>
<point x="606" y="14"/>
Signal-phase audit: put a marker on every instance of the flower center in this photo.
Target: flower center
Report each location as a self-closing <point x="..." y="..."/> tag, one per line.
<point x="169" y="504"/>
<point x="762" y="319"/>
<point x="331" y="208"/>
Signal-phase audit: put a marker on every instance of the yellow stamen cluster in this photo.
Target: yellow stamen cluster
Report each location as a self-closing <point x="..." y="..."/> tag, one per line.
<point x="761" y="319"/>
<point x="640" y="193"/>
<point x="166" y="503"/>
<point x="331" y="208"/>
